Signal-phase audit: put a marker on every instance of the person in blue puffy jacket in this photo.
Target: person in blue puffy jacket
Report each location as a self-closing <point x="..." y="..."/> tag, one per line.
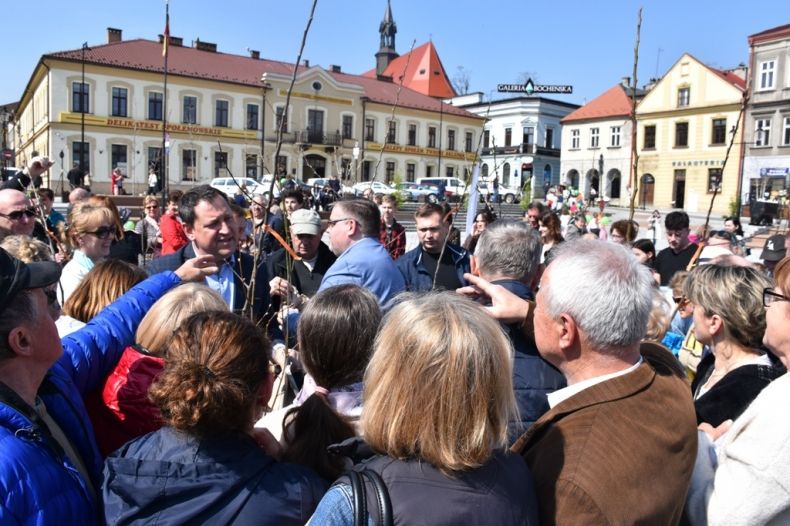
<point x="50" y="467"/>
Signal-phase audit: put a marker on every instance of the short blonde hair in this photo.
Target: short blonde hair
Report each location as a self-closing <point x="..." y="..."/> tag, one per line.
<point x="735" y="294"/>
<point x="155" y="331"/>
<point x="439" y="385"/>
<point x="150" y="200"/>
<point x="86" y="217"/>
<point x="26" y="248"/>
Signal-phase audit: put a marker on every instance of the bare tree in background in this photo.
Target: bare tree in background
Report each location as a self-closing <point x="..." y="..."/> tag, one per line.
<point x="461" y="80"/>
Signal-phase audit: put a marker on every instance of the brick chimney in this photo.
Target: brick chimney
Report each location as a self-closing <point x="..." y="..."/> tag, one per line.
<point x="254" y="53"/>
<point x="114" y="35"/>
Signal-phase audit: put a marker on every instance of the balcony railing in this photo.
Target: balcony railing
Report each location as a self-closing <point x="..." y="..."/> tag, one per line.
<point x="313" y="137"/>
<point x="530" y="149"/>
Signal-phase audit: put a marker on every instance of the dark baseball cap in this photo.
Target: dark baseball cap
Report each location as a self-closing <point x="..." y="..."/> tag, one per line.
<point x="16" y="276"/>
<point x="774" y="248"/>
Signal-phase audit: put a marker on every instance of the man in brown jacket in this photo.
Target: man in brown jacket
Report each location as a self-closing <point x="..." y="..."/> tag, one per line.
<point x="618" y="444"/>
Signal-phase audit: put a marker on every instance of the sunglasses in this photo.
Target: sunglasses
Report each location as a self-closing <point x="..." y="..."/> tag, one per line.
<point x="103" y="232"/>
<point x="679" y="300"/>
<point x="17" y="214"/>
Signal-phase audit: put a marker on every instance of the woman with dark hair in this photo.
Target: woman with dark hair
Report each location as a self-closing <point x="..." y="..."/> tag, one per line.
<point x="645" y="251"/>
<point x="204" y="466"/>
<point x="550" y="228"/>
<point x="483" y="218"/>
<point x="331" y="400"/>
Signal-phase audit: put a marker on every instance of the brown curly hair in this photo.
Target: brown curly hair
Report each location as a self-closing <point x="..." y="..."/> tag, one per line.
<point x="216" y="365"/>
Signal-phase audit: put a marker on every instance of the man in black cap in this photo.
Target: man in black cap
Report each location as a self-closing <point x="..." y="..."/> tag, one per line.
<point x="50" y="466"/>
<point x="773" y="252"/>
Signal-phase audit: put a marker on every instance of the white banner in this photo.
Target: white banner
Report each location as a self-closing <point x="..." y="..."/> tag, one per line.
<point x="472" y="199"/>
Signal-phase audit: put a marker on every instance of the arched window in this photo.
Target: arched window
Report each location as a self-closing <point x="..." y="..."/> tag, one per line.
<point x="506" y="174"/>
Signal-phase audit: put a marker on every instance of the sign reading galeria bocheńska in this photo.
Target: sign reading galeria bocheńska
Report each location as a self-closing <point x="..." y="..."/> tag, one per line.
<point x="530" y="87"/>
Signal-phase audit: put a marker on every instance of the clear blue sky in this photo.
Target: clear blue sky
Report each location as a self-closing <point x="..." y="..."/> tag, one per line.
<point x="586" y="44"/>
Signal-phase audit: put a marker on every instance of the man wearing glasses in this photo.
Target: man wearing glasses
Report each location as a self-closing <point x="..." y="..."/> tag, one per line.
<point x="17" y="215"/>
<point x="678" y="254"/>
<point x="353" y="229"/>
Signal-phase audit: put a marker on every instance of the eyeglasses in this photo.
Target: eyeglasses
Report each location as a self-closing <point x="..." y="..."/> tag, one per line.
<point x="103" y="232"/>
<point x="16" y="215"/>
<point x="52" y="296"/>
<point x="333" y="222"/>
<point x="152" y="207"/>
<point x="680" y="300"/>
<point x="770" y="296"/>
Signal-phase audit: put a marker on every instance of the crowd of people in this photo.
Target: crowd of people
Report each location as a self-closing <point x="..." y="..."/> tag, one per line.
<point x="237" y="369"/>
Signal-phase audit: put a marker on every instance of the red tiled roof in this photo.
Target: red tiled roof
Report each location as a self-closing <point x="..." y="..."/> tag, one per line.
<point x="612" y="103"/>
<point x="731" y="77"/>
<point x="146" y="55"/>
<point x="423" y="72"/>
<point x="770" y="34"/>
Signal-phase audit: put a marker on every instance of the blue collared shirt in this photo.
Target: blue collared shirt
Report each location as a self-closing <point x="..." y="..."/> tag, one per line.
<point x="223" y="282"/>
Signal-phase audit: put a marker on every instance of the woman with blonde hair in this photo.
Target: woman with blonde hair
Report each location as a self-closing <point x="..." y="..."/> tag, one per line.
<point x="742" y="470"/>
<point x="204" y="466"/>
<point x="127" y="244"/>
<point x="438" y="397"/>
<point x="122" y="410"/>
<point x="90" y="231"/>
<point x="730" y="318"/>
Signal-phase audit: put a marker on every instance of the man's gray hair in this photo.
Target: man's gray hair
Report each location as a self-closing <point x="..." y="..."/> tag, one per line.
<point x="509" y="248"/>
<point x="606" y="290"/>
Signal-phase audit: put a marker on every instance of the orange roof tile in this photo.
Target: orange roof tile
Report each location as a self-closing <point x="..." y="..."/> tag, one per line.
<point x="146" y="55"/>
<point x="612" y="103"/>
<point x="422" y="71"/>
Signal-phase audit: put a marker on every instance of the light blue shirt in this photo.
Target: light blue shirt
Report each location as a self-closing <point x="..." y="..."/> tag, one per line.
<point x="223" y="282"/>
<point x="368" y="264"/>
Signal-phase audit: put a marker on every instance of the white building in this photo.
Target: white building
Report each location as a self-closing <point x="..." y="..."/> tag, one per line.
<point x="596" y="139"/>
<point x="521" y="139"/>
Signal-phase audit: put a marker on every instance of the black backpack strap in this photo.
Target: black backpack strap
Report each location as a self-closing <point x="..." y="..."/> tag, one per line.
<point x="382" y="497"/>
<point x="358" y="498"/>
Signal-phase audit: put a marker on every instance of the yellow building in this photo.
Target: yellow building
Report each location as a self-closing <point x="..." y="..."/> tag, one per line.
<point x="105" y="107"/>
<point x="685" y="124"/>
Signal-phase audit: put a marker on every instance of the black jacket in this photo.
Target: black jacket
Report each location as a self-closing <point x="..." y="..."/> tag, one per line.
<point x="533" y="377"/>
<point x="730" y="396"/>
<point x="306" y="282"/>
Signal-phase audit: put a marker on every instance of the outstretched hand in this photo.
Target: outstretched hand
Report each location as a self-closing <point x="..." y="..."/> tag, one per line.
<point x="715" y="432"/>
<point x="197" y="268"/>
<point x="505" y="306"/>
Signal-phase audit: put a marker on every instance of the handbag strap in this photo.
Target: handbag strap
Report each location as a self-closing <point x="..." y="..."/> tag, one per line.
<point x="382" y="497"/>
<point x="384" y="516"/>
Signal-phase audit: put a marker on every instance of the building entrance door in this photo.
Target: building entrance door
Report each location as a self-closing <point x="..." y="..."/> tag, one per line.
<point x="679" y="192"/>
<point x="648" y="187"/>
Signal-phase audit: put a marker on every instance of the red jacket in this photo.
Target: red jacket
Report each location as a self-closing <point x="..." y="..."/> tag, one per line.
<point x="173" y="236"/>
<point x="397" y="243"/>
<point x="121" y="410"/>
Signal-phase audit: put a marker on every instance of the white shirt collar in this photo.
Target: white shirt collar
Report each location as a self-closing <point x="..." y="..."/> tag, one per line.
<point x="563" y="394"/>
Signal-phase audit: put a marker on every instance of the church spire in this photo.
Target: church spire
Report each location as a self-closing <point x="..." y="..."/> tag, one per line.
<point x="387" y="30"/>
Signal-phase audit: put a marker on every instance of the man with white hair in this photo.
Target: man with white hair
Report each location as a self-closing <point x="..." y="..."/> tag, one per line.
<point x="618" y="444"/>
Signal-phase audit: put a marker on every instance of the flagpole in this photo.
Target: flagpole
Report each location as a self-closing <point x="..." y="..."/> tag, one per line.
<point x="165" y="52"/>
